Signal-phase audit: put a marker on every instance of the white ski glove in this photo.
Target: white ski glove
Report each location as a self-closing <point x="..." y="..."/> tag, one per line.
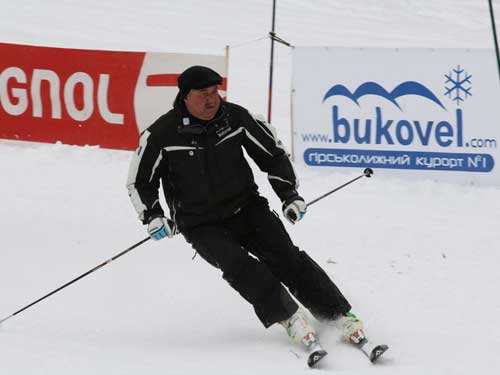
<point x="160" y="227"/>
<point x="294" y="209"/>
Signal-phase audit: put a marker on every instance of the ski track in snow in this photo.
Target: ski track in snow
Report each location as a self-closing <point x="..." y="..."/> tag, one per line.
<point x="417" y="259"/>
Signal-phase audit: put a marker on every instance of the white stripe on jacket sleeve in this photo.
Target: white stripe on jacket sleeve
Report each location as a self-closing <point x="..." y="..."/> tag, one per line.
<point x="138" y="204"/>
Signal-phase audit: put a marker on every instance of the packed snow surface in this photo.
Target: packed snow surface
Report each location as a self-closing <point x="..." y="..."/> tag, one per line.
<point x="418" y="259"/>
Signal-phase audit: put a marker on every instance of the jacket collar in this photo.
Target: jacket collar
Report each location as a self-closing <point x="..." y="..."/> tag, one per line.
<point x="193" y="125"/>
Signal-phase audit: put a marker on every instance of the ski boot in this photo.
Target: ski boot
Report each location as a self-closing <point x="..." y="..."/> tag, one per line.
<point x="353" y="332"/>
<point x="301" y="331"/>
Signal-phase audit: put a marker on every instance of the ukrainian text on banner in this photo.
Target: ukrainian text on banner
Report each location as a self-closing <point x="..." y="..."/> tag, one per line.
<point x="430" y="113"/>
<point x="87" y="97"/>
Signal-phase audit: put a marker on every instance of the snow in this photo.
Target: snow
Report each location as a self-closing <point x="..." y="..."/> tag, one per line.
<point x="417" y="259"/>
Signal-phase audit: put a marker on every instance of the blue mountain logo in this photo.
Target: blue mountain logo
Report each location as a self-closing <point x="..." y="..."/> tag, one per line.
<point x="373" y="88"/>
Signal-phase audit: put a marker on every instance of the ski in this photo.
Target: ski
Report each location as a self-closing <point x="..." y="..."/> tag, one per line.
<point x="360" y="341"/>
<point x="317" y="353"/>
<point x="373" y="352"/>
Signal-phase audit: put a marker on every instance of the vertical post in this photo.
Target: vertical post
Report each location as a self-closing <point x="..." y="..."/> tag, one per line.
<point x="495" y="36"/>
<point x="227" y="70"/>
<point x="292" y="131"/>
<point x="271" y="66"/>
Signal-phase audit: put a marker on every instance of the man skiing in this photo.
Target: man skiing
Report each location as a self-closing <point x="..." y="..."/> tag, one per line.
<point x="196" y="151"/>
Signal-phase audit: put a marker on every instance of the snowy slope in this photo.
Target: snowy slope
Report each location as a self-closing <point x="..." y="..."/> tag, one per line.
<point x="417" y="259"/>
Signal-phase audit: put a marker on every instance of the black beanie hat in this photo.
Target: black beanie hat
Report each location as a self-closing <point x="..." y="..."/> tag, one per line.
<point x="197" y="77"/>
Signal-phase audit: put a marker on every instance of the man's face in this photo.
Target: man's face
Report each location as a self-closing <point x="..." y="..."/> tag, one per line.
<point x="203" y="103"/>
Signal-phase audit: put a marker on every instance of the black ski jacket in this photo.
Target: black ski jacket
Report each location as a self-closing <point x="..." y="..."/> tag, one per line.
<point x="202" y="168"/>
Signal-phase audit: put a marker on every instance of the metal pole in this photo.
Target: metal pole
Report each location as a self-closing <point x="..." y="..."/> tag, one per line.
<point x="271" y="66"/>
<point x="368" y="172"/>
<point x="495" y="35"/>
<point x="227" y="71"/>
<point x="76" y="279"/>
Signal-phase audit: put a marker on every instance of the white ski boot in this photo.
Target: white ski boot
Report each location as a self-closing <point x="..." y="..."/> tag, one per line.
<point x="301" y="331"/>
<point x="353" y="332"/>
<point x="352" y="328"/>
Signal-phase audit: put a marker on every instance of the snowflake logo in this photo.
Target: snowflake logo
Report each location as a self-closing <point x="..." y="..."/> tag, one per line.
<point x="458" y="85"/>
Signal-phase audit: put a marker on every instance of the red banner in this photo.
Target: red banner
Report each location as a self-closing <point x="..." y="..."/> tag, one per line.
<point x="87" y="97"/>
<point x="79" y="97"/>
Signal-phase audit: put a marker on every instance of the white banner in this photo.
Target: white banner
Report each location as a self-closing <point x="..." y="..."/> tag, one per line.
<point x="156" y="86"/>
<point x="423" y="112"/>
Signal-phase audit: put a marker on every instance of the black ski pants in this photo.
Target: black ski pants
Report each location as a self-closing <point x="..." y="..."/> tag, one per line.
<point x="274" y="261"/>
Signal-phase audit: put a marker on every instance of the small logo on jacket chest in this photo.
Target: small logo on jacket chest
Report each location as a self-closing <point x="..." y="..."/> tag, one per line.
<point x="223" y="131"/>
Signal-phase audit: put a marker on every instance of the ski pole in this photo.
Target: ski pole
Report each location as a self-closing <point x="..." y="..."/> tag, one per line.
<point x="78" y="278"/>
<point x="368" y="172"/>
